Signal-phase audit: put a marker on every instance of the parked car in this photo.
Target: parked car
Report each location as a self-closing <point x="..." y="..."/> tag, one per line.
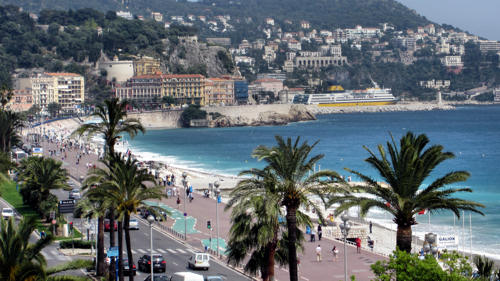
<point x="7" y="213"/>
<point x="186" y="276"/>
<point x="159" y="263"/>
<point x="133" y="224"/>
<point x="126" y="268"/>
<point x="199" y="260"/>
<point x="107" y="225"/>
<point x="74" y="194"/>
<point x="158" y="278"/>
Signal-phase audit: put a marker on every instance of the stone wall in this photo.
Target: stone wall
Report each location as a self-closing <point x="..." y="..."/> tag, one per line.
<point x="159" y="119"/>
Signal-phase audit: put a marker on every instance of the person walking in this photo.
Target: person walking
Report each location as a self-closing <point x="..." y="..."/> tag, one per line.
<point x="358" y="245"/>
<point x="335" y="252"/>
<point x="313" y="235"/>
<point x="178" y="202"/>
<point x="320" y="232"/>
<point x="318" y="253"/>
<point x="371" y="226"/>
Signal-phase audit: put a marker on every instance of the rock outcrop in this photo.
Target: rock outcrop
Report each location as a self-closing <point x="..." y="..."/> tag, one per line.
<point x="239" y="118"/>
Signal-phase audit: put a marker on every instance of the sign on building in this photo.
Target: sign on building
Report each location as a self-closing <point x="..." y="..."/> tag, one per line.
<point x="447" y="241"/>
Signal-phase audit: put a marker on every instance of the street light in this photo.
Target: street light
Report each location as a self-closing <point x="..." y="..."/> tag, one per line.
<point x="151" y="219"/>
<point x="217" y="192"/>
<point x="344" y="228"/>
<point x="184" y="183"/>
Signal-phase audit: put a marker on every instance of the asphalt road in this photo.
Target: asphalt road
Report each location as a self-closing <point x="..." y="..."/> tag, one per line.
<point x="174" y="252"/>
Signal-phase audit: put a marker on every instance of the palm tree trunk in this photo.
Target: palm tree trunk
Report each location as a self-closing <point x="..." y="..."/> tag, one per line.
<point x="100" y="246"/>
<point x="120" y="252"/>
<point x="403" y="238"/>
<point x="112" y="266"/>
<point x="129" y="246"/>
<point x="291" y="220"/>
<point x="271" y="251"/>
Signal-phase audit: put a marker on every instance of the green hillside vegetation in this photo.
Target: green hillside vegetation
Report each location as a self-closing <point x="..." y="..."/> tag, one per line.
<point x="69" y="40"/>
<point x="320" y="13"/>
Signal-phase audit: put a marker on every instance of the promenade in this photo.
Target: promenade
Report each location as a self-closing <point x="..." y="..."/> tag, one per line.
<point x="202" y="209"/>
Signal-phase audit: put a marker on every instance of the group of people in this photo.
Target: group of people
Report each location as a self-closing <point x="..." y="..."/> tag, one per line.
<point x="334" y="250"/>
<point x="312" y="233"/>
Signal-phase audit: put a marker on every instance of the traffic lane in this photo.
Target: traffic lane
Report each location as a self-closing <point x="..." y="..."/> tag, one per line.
<point x="175" y="260"/>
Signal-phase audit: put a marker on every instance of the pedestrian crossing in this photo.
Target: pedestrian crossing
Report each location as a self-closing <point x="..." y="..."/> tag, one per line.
<point x="162" y="251"/>
<point x="53" y="254"/>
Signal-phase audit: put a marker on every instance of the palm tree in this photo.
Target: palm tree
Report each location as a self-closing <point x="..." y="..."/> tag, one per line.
<point x="484" y="267"/>
<point x="113" y="123"/>
<point x="126" y="185"/>
<point x="256" y="227"/>
<point x="290" y="164"/>
<point x="404" y="170"/>
<point x="40" y="175"/>
<point x="10" y="123"/>
<point x="21" y="260"/>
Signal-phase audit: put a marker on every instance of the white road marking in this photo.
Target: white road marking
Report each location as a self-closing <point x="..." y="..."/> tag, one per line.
<point x="172" y="251"/>
<point x="141" y="251"/>
<point x="182" y="251"/>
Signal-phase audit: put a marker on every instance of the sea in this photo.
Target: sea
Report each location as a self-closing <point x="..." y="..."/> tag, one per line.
<point x="472" y="133"/>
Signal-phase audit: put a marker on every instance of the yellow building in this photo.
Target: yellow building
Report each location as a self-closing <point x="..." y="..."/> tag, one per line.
<point x="66" y="89"/>
<point x="146" y="66"/>
<point x="221" y="91"/>
<point x="184" y="88"/>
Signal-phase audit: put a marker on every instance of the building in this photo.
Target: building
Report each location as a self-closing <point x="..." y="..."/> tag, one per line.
<point x="360" y="32"/>
<point x="408" y="43"/>
<point x="157" y="16"/>
<point x="489" y="45"/>
<point x="452" y="61"/>
<point x="287" y="95"/>
<point x="269" y="85"/>
<point x="294" y="45"/>
<point x="305" y="24"/>
<point x="318" y="61"/>
<point x="125" y="15"/>
<point x="184" y="88"/>
<point x="435" y="84"/>
<point x="117" y="70"/>
<point x="22" y="100"/>
<point x="241" y="91"/>
<point x="496" y="94"/>
<point x="221" y="91"/>
<point x="270" y="21"/>
<point x="146" y="66"/>
<point x="66" y="89"/>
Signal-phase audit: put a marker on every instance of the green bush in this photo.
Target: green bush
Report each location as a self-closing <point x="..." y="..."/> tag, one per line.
<point x="79" y="244"/>
<point x="192" y="112"/>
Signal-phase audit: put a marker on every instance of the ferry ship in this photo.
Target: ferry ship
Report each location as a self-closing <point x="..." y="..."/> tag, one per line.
<point x="337" y="96"/>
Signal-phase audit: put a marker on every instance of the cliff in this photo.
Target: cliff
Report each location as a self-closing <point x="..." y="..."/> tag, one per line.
<point x="259" y="115"/>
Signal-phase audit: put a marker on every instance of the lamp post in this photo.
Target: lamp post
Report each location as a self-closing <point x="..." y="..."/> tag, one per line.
<point x="184" y="183"/>
<point x="344" y="228"/>
<point x="217" y="192"/>
<point x="151" y="219"/>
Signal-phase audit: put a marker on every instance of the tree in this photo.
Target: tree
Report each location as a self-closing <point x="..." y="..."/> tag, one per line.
<point x="406" y="266"/>
<point x="53" y="108"/>
<point x="484" y="266"/>
<point x="113" y="123"/>
<point x="191" y="113"/>
<point x="124" y="185"/>
<point x="168" y="100"/>
<point x="5" y="95"/>
<point x="21" y="260"/>
<point x="10" y="123"/>
<point x="40" y="175"/>
<point x="404" y="171"/>
<point x="290" y="163"/>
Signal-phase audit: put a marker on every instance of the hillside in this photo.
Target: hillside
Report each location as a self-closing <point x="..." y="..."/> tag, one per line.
<point x="320" y="13"/>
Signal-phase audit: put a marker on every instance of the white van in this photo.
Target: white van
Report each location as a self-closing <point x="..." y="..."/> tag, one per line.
<point x="186" y="276"/>
<point x="199" y="260"/>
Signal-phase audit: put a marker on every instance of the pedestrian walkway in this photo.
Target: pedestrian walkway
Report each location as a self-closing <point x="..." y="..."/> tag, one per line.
<point x="211" y="243"/>
<point x="160" y="251"/>
<point x="178" y="216"/>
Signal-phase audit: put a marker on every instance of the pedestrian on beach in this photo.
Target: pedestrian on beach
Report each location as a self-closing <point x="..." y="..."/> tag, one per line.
<point x="371" y="226"/>
<point x="318" y="253"/>
<point x="358" y="245"/>
<point x="320" y="232"/>
<point x="335" y="252"/>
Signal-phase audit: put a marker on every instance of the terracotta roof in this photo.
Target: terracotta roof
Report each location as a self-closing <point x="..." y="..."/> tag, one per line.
<point x="61" y="74"/>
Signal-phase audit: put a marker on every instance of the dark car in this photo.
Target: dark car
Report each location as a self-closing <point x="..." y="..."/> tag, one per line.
<point x="107" y="225"/>
<point x="126" y="268"/>
<point x="158" y="278"/>
<point x="159" y="264"/>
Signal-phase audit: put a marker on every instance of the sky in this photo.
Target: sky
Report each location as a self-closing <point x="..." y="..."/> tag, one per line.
<point x="479" y="17"/>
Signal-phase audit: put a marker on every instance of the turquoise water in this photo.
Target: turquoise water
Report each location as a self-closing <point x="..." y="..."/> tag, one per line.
<point x="471" y="132"/>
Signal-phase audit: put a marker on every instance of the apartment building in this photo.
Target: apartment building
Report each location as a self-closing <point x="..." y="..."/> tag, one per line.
<point x="146" y="66"/>
<point x="22" y="100"/>
<point x="66" y="89"/>
<point x="219" y="91"/>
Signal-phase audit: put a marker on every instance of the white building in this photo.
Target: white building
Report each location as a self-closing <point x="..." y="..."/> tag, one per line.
<point x="125" y="15"/>
<point x="117" y="70"/>
<point x="452" y="61"/>
<point x="65" y="89"/>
